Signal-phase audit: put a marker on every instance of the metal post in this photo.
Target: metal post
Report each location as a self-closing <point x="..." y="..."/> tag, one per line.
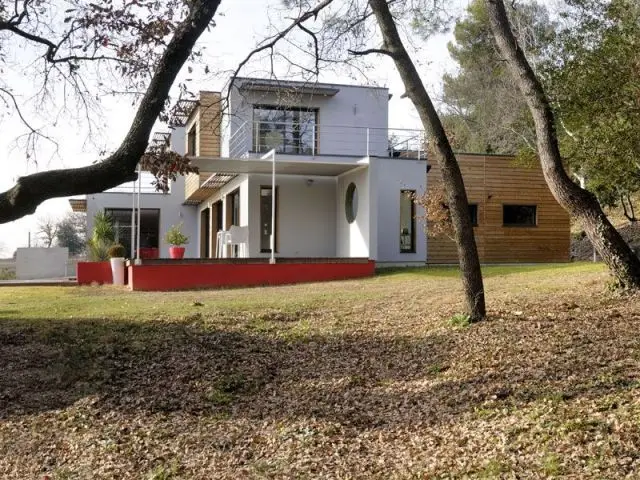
<point x="273" y="207"/>
<point x="133" y="220"/>
<point x="367" y="141"/>
<point x="138" y="239"/>
<point x="313" y="139"/>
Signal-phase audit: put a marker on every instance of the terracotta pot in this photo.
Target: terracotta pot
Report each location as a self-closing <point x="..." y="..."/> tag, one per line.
<point x="176" y="252"/>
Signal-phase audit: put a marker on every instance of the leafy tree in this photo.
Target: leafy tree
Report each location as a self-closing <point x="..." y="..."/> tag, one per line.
<point x="594" y="83"/>
<point x="138" y="45"/>
<point x="580" y="203"/>
<point x="482" y="111"/>
<point x="72" y="233"/>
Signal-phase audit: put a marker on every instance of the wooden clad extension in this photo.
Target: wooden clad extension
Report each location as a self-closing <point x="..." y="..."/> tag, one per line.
<point x="493" y="181"/>
<point x="203" y="125"/>
<point x="209" y="120"/>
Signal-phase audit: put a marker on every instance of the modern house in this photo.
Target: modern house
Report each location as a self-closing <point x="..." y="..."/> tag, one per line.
<point x="343" y="181"/>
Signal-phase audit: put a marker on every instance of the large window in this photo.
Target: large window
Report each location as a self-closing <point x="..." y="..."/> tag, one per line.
<point x="407" y="222"/>
<point x="149" y="226"/>
<point x="519" y="215"/>
<point x="288" y="130"/>
<point x="265" y="219"/>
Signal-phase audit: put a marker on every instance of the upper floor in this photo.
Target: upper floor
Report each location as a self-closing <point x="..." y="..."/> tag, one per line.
<point x="297" y="119"/>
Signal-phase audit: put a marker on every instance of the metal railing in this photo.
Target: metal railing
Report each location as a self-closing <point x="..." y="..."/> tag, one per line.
<point x="146" y="185"/>
<point x="315" y="139"/>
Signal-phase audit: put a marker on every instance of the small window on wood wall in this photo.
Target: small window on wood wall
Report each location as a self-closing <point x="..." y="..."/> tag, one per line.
<point x="473" y="212"/>
<point x="191" y="140"/>
<point x="519" y="215"/>
<point x="407" y="222"/>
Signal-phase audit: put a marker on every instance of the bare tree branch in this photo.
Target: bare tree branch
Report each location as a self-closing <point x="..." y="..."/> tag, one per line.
<point x="32" y="190"/>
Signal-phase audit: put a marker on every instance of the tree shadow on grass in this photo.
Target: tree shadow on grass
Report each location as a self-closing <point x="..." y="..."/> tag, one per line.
<point x="362" y="380"/>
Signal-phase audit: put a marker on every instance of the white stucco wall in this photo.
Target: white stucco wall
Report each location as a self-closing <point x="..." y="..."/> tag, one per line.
<point x="41" y="263"/>
<point x="388" y="178"/>
<point x="171" y="212"/>
<point x="239" y="182"/>
<point x="342" y="119"/>
<point x="353" y="239"/>
<point x="306" y="215"/>
<point x="179" y="140"/>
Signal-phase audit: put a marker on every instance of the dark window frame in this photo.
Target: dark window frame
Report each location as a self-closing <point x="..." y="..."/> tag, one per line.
<point x="519" y="225"/>
<point x="256" y="132"/>
<point x="474" y="216"/>
<point x="269" y="187"/>
<point x="408" y="194"/>
<point x="351" y="203"/>
<point x="192" y="140"/>
<point x="126" y="240"/>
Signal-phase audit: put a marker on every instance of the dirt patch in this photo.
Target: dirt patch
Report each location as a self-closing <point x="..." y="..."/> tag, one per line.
<point x="582" y="249"/>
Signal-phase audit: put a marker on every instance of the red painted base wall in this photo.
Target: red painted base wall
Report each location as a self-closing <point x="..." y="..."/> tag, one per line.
<point x="90" y="272"/>
<point x="192" y="276"/>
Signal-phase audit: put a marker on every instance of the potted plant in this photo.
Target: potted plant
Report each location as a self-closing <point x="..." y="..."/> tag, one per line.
<point x="116" y="255"/>
<point x="176" y="239"/>
<point x="102" y="238"/>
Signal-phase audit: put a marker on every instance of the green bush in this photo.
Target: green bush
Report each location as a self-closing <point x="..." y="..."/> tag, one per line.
<point x="461" y="320"/>
<point x="175" y="236"/>
<point x="102" y="237"/>
<point x="117" y="251"/>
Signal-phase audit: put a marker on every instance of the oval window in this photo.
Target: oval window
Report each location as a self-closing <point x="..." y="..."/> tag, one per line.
<point x="351" y="203"/>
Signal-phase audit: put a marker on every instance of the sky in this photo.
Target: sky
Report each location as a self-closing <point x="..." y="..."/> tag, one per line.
<point x="240" y="25"/>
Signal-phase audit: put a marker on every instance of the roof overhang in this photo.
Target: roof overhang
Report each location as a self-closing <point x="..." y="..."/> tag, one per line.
<point x="78" y="204"/>
<point x="284" y="166"/>
<point x="289" y="87"/>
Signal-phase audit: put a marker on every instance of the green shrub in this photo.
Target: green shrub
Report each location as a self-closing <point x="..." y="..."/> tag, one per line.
<point x="175" y="236"/>
<point x="98" y="250"/>
<point x="102" y="237"/>
<point x="460" y="320"/>
<point x="117" y="251"/>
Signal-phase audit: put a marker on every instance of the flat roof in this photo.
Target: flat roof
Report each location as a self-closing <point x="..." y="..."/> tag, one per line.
<point x="300" y="83"/>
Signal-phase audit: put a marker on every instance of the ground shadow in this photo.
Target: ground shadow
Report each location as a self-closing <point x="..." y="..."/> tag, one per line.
<point x="269" y="371"/>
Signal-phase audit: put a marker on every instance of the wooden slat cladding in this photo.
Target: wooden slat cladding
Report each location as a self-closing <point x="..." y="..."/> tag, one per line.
<point x="192" y="190"/>
<point x="206" y="119"/>
<point x="494" y="181"/>
<point x="209" y="121"/>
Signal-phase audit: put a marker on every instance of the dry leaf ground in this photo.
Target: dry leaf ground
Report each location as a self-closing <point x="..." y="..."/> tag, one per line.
<point x="357" y="379"/>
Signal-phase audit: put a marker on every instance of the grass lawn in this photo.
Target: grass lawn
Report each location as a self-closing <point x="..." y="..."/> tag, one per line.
<point x="355" y="379"/>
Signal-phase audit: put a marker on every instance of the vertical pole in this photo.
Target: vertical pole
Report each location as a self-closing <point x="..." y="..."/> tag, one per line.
<point x="29" y="240"/>
<point x="133" y="220"/>
<point x="313" y="139"/>
<point x="138" y="233"/>
<point x="273" y="207"/>
<point x="367" y="141"/>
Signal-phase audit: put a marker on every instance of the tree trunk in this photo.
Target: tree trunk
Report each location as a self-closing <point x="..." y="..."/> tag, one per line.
<point x="451" y="175"/>
<point x="580" y="203"/>
<point x="30" y="191"/>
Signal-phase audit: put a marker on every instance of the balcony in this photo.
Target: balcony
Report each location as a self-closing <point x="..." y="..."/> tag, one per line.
<point x="251" y="139"/>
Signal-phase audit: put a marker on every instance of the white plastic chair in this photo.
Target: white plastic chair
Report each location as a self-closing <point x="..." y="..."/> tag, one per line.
<point x="222" y="240"/>
<point x="239" y="236"/>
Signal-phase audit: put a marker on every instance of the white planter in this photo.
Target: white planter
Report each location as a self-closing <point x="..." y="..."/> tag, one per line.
<point x="117" y="270"/>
